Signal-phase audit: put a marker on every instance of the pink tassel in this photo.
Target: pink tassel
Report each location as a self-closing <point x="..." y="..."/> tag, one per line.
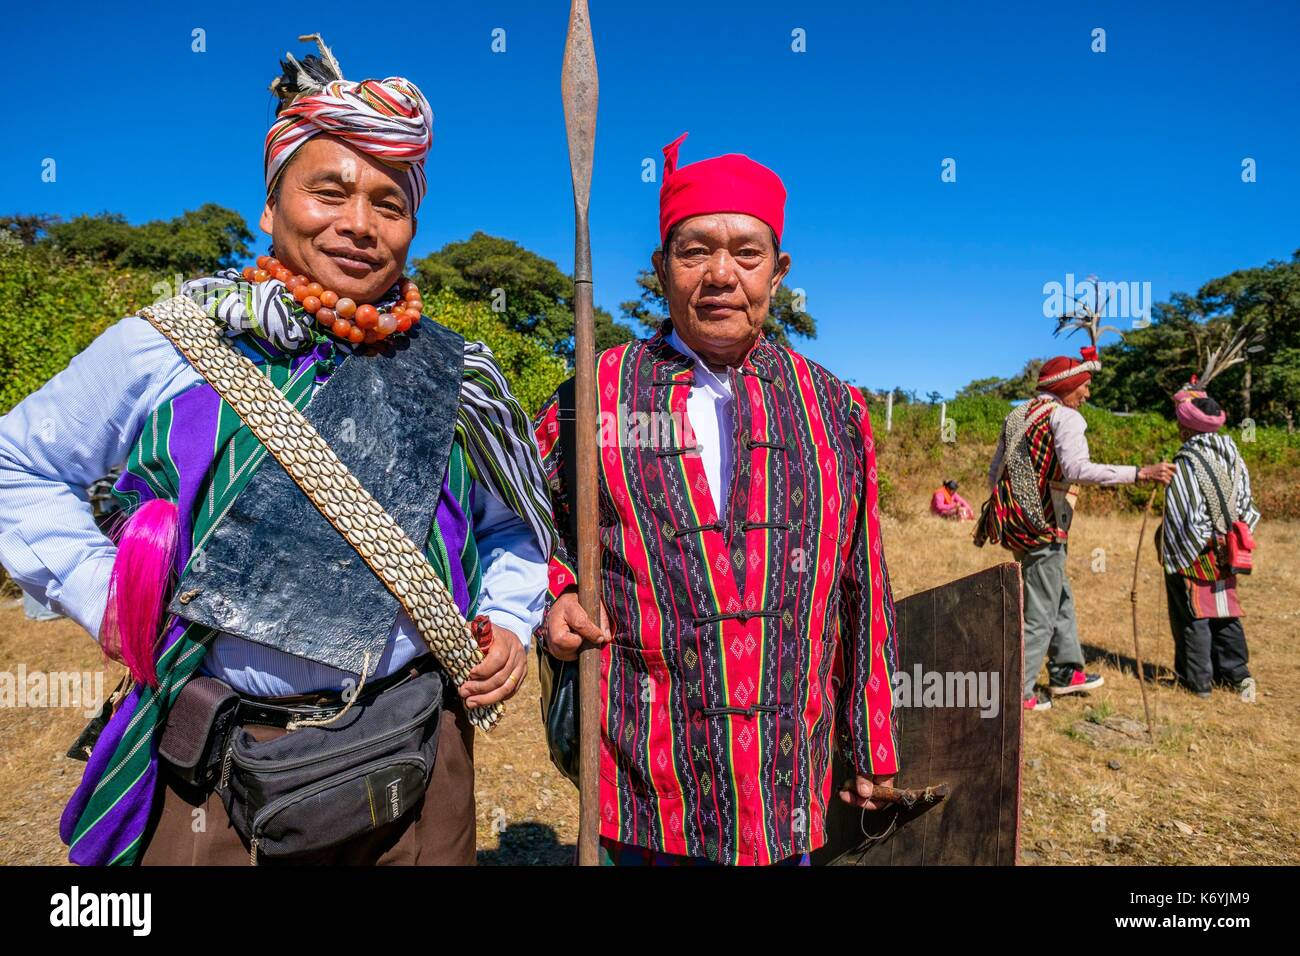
<point x="137" y="589"/>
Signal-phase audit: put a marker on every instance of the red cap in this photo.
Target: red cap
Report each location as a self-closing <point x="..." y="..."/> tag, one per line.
<point x="730" y="183"/>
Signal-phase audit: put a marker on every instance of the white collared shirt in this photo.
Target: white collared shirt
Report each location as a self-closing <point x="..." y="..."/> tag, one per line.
<point x="710" y="409"/>
<point x="1068" y="426"/>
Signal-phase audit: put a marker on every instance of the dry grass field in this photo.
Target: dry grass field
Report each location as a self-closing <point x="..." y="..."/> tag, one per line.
<point x="1219" y="786"/>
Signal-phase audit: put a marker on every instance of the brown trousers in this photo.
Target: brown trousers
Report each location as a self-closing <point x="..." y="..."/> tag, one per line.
<point x="191" y="827"/>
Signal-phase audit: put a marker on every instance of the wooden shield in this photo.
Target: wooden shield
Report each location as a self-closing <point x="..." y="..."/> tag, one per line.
<point x="957" y="695"/>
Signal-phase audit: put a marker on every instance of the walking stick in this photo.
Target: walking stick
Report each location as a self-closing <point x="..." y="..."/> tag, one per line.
<point x="1133" y="598"/>
<point x="579" y="87"/>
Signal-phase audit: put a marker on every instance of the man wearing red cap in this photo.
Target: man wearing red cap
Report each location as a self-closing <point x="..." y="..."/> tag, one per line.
<point x="749" y="622"/>
<point x="1041" y="458"/>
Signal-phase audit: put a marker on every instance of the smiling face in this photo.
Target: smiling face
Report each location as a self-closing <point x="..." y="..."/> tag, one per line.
<point x="719" y="275"/>
<point x="342" y="218"/>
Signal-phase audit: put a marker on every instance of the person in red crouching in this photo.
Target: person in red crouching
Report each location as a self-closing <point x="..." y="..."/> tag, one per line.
<point x="946" y="503"/>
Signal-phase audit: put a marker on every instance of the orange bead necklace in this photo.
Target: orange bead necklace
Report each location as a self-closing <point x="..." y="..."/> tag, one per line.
<point x="338" y="315"/>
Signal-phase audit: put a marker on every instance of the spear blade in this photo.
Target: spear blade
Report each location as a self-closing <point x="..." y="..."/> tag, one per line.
<point x="580" y="89"/>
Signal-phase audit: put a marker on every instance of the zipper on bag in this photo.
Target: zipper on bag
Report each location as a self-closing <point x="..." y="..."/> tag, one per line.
<point x="262" y="766"/>
<point x="225" y="764"/>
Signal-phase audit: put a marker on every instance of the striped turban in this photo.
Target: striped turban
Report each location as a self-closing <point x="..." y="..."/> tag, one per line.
<point x="388" y="119"/>
<point x="1192" y="417"/>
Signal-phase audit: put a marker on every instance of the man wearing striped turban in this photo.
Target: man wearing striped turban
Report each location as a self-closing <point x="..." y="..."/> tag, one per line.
<point x="345" y="175"/>
<point x="1208" y="505"/>
<point x="182" y="742"/>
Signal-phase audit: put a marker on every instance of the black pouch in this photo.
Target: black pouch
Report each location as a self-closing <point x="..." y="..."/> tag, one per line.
<point x="559" y="680"/>
<point x="317" y="787"/>
<point x="81" y="748"/>
<point x="197" y="725"/>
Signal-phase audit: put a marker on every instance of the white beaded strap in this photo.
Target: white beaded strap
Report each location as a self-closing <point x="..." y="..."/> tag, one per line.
<point x="292" y="440"/>
<point x="1089" y="366"/>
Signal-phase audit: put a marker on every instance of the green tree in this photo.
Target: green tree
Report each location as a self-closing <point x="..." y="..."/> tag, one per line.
<point x="786" y="316"/>
<point x="1141" y="372"/>
<point x="532" y="370"/>
<point x="197" y="242"/>
<point x="981" y="386"/>
<point x="102" y="237"/>
<point x="27" y="229"/>
<point x="529" y="292"/>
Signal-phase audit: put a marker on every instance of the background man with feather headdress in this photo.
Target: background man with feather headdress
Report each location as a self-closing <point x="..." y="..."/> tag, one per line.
<point x="1208" y="506"/>
<point x="1041" y="455"/>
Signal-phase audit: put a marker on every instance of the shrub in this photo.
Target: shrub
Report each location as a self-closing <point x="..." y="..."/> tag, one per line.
<point x="51" y="308"/>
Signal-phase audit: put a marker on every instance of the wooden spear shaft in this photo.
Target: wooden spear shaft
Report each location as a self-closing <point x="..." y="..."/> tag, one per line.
<point x="1133" y="599"/>
<point x="579" y="87"/>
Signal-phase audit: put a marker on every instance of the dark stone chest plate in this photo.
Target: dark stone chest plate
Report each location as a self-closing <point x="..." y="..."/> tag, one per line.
<point x="275" y="571"/>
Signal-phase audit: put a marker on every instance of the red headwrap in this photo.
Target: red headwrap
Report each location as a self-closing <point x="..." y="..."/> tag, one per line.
<point x="730" y="183"/>
<point x="1062" y="375"/>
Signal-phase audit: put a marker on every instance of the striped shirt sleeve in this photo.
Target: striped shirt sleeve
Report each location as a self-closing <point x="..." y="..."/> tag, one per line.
<point x="498" y="437"/>
<point x="562" y="572"/>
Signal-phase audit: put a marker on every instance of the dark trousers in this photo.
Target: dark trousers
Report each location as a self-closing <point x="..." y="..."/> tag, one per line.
<point x="192" y="828"/>
<point x="1207" y="650"/>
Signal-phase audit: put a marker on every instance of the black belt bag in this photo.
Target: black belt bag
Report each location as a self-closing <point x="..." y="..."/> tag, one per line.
<point x="317" y="787"/>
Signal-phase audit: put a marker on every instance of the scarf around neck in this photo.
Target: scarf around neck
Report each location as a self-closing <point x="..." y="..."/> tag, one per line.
<point x="266" y="309"/>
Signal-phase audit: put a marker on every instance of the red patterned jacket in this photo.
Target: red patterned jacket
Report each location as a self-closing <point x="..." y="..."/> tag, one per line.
<point x="743" y="642"/>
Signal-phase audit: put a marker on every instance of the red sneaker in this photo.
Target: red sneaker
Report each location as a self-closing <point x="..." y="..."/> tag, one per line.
<point x="1077" y="681"/>
<point x="1038" y="702"/>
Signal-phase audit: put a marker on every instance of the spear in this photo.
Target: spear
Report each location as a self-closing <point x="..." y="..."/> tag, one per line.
<point x="579" y="87"/>
<point x="1133" y="599"/>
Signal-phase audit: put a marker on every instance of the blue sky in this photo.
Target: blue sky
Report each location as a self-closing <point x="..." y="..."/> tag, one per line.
<point x="1125" y="163"/>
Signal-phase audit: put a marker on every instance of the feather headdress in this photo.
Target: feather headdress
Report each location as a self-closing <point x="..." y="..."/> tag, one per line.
<point x="1086" y="316"/>
<point x="306" y="76"/>
<point x="1232" y="349"/>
